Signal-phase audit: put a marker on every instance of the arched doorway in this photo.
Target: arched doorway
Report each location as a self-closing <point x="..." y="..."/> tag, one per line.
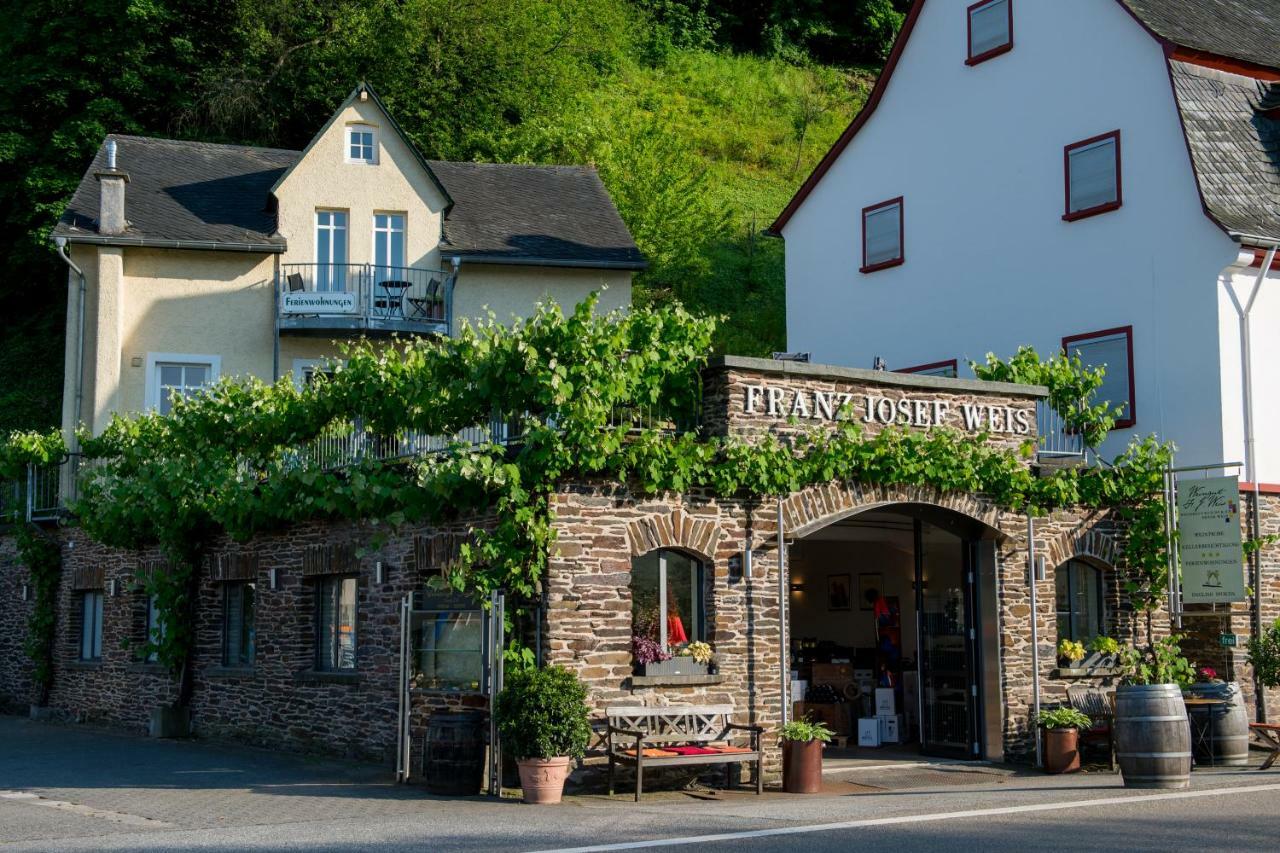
<point x="892" y="611"/>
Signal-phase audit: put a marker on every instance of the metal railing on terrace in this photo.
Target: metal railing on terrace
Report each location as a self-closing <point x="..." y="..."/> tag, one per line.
<point x="343" y="444"/>
<point x="368" y="297"/>
<point x="37" y="496"/>
<point x="1056" y="440"/>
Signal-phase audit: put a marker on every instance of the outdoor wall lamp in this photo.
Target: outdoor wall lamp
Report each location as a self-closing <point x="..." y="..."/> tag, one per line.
<point x="271" y="578"/>
<point x="111" y="588"/>
<point x="26" y="592"/>
<point x="797" y="587"/>
<point x="379" y="575"/>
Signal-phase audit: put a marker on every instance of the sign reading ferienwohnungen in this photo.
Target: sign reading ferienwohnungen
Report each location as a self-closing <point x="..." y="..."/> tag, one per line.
<point x="1209" y="540"/>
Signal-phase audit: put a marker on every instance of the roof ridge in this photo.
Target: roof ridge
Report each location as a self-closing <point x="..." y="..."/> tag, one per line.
<point x="199" y="142"/>
<point x="574" y="167"/>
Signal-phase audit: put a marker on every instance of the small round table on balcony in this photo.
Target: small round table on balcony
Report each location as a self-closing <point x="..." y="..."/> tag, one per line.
<point x="392" y="297"/>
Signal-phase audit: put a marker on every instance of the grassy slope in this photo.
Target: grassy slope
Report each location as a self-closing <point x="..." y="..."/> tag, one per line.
<point x="744" y="116"/>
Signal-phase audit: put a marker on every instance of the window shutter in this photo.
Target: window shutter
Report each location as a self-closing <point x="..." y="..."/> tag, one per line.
<point x="988" y="27"/>
<point x="1093" y="175"/>
<point x="883" y="234"/>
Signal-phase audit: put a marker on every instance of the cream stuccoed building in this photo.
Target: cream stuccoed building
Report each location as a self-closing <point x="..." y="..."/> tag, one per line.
<point x="190" y="261"/>
<point x="1099" y="176"/>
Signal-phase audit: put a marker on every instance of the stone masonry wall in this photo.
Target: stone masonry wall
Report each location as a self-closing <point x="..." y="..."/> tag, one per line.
<point x="16" y="688"/>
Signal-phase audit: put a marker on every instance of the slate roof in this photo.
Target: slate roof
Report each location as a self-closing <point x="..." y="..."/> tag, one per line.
<point x="201" y="195"/>
<point x="1235" y="146"/>
<point x="1239" y="29"/>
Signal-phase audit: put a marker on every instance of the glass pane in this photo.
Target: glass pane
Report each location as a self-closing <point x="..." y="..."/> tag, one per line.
<point x="644" y="596"/>
<point x="684" y="599"/>
<point x="944" y="663"/>
<point x="448" y="650"/>
<point x="1112" y="353"/>
<point x="1093" y="175"/>
<point x="988" y="27"/>
<point x="170" y="375"/>
<point x="397" y="245"/>
<point x="97" y="625"/>
<point x="882" y="235"/>
<point x="197" y="376"/>
<point x="346" y="628"/>
<point x="1062" y="602"/>
<point x="325" y="627"/>
<point x="248" y="602"/>
<point x="86" y="626"/>
<point x="231" y="616"/>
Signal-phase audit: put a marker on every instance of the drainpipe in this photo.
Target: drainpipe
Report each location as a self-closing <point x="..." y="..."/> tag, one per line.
<point x="783" y="656"/>
<point x="73" y="443"/>
<point x="1035" y="633"/>
<point x="1250" y="457"/>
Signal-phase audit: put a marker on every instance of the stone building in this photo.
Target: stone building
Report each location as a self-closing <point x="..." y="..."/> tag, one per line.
<point x="938" y="594"/>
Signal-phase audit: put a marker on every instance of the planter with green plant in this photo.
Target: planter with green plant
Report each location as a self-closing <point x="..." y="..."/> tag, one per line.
<point x="1070" y="653"/>
<point x="1062" y="738"/>
<point x="802" y="742"/>
<point x="1153" y="736"/>
<point x="1106" y="653"/>
<point x="544" y="722"/>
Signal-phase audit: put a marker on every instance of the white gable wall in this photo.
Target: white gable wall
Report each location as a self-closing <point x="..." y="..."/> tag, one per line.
<point x="977" y="152"/>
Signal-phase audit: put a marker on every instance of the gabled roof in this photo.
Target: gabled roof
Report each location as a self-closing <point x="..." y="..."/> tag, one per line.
<point x="1235" y="147"/>
<point x="185" y="194"/>
<point x="558" y="215"/>
<point x="1235" y="29"/>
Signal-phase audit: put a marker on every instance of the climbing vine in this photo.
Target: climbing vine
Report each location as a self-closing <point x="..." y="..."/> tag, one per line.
<point x="594" y="397"/>
<point x="43" y="560"/>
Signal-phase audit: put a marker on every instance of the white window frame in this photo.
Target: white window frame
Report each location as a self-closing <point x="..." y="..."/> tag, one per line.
<point x="386" y="232"/>
<point x="351" y="130"/>
<point x="151" y="394"/>
<point x="91" y="632"/>
<point x="301" y="365"/>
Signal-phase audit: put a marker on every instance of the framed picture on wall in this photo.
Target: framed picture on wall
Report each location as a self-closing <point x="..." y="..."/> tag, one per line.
<point x="839" y="594"/>
<point x="866" y="581"/>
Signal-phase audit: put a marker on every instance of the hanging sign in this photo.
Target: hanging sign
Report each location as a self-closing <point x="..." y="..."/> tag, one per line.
<point x="318" y="302"/>
<point x="1209" y="542"/>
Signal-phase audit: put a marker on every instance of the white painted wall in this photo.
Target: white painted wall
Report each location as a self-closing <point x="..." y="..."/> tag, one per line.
<point x="977" y="153"/>
<point x="1264" y="322"/>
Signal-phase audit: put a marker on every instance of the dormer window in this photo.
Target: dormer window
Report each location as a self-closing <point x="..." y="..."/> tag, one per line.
<point x="990" y="30"/>
<point x="362" y="144"/>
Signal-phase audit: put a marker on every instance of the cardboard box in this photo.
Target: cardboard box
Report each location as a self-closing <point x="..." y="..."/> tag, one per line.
<point x="891" y="729"/>
<point x="834" y="714"/>
<point x="835" y="674"/>
<point x="869" y="731"/>
<point x="885" y="702"/>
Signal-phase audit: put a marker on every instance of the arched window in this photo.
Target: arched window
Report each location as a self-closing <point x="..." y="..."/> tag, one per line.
<point x="1079" y="601"/>
<point x="666" y="598"/>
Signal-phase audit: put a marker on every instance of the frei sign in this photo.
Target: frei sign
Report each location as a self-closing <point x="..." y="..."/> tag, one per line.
<point x="1209" y="541"/>
<point x="319" y="302"/>
<point x="803" y="404"/>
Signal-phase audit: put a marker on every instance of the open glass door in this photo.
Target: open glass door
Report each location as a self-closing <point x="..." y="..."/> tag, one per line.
<point x="945" y="604"/>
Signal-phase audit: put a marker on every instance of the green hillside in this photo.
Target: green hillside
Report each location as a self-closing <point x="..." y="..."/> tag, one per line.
<point x="702" y="117"/>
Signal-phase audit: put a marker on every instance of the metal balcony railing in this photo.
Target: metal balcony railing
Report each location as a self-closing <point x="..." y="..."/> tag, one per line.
<point x="342" y="444"/>
<point x="1056" y="440"/>
<point x="36" y="496"/>
<point x="365" y="297"/>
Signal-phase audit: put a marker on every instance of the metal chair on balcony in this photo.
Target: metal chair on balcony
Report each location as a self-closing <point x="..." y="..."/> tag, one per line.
<point x="429" y="306"/>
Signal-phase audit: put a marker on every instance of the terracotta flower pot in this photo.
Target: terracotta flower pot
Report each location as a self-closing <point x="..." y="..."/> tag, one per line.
<point x="1061" y="750"/>
<point x="802" y="766"/>
<point x="543" y="779"/>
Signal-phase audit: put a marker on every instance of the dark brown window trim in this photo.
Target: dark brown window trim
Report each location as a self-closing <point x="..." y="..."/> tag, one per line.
<point x="1127" y="331"/>
<point x="902" y="242"/>
<point x="1068" y="215"/>
<point x="993" y="52"/>
<point x="920" y="368"/>
<point x="317" y="676"/>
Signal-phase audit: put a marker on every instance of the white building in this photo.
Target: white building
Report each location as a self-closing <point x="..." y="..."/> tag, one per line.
<point x="1096" y="174"/>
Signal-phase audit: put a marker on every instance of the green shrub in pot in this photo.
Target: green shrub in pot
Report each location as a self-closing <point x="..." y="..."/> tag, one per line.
<point x="544" y="722"/>
<point x="1063" y="718"/>
<point x="804" y="731"/>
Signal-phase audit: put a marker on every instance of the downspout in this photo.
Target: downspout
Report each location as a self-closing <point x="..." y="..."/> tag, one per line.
<point x="1250" y="457"/>
<point x="783" y="587"/>
<point x="448" y="294"/>
<point x="1035" y="633"/>
<point x="73" y="442"/>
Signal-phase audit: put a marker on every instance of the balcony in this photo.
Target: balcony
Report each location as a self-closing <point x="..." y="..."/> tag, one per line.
<point x="320" y="299"/>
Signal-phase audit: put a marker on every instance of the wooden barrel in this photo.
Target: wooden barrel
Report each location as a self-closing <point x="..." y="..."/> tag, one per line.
<point x="453" y="762"/>
<point x="1226" y="727"/>
<point x="1153" y="740"/>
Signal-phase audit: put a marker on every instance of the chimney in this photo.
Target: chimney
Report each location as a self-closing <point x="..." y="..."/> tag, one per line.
<point x="111" y="180"/>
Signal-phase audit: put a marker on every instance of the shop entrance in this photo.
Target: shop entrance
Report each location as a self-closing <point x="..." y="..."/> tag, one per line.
<point x="887" y="632"/>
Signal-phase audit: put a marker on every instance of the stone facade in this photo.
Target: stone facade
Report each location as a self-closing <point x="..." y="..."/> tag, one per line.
<point x="16" y="606"/>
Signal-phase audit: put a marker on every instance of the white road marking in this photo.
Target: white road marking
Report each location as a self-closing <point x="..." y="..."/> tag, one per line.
<point x="919" y="818"/>
<point x="84" y="811"/>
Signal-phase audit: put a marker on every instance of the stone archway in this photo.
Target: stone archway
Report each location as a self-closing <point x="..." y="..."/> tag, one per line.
<point x="816" y="507"/>
<point x="1091" y="545"/>
<point x="675" y="529"/>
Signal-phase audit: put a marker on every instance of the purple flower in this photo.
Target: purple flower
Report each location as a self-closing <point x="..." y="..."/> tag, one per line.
<point x="647" y="650"/>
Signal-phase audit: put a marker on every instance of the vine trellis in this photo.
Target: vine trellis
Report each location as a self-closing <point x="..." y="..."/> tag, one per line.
<point x="221" y="460"/>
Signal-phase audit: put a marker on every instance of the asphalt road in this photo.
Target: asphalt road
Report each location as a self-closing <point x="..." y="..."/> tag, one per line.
<point x="71" y="788"/>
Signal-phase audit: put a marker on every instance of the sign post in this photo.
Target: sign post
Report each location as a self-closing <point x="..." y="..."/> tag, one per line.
<point x="1209" y="541"/>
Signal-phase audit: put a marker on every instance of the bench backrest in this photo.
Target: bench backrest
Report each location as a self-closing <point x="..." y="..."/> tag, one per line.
<point x="1096" y="703"/>
<point x="674" y="723"/>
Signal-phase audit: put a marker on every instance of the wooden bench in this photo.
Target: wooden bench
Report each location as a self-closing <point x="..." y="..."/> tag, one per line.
<point x="1099" y="705"/>
<point x="678" y="736"/>
<point x="1267" y="733"/>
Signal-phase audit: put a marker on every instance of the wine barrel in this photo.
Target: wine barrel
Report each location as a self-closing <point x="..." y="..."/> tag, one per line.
<point x="1153" y="739"/>
<point x="453" y="762"/>
<point x="1226" y="743"/>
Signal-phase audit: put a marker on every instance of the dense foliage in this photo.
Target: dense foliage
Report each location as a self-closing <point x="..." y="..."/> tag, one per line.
<point x="1264" y="655"/>
<point x="543" y="713"/>
<point x="702" y="117"/>
<point x="1160" y="662"/>
<point x="43" y="559"/>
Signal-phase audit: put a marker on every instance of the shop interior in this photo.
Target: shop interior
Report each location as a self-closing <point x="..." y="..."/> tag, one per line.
<point x="881" y="607"/>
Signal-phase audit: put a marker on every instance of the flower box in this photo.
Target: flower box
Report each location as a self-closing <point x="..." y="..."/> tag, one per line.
<point x="678" y="665"/>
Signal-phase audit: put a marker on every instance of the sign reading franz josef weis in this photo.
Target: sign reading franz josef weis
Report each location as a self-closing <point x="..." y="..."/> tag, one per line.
<point x="869" y="408"/>
<point x="1209" y="541"/>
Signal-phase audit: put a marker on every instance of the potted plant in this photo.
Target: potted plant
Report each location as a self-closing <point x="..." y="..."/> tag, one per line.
<point x="802" y="742"/>
<point x="1153" y="737"/>
<point x="1070" y="653"/>
<point x="1106" y="652"/>
<point x="652" y="658"/>
<point x="1062" y="738"/>
<point x="543" y="720"/>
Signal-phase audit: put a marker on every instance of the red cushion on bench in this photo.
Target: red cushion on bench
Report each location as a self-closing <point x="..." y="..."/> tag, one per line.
<point x="690" y="750"/>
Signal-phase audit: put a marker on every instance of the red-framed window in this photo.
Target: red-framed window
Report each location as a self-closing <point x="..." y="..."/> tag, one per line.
<point x="990" y="28"/>
<point x="882" y="235"/>
<point x="1092" y="179"/>
<point x="947" y="368"/>
<point x="1112" y="349"/>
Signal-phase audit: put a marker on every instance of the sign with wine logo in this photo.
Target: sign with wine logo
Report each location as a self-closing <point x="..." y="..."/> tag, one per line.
<point x="1209" y="541"/>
